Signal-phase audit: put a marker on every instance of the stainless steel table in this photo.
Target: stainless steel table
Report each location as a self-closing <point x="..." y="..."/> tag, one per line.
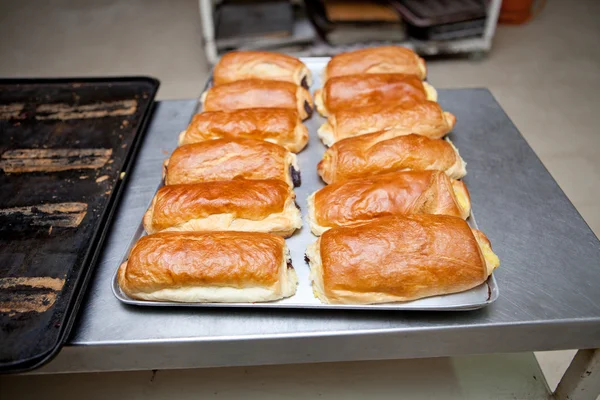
<point x="549" y="277"/>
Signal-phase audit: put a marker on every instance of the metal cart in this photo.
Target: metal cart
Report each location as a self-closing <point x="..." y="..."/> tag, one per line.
<point x="304" y="33"/>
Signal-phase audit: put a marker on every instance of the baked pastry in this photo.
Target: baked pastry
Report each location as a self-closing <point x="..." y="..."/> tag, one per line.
<point x="399" y="258"/>
<point x="424" y="118"/>
<point x="281" y="126"/>
<point x="225" y="159"/>
<point x="382" y="152"/>
<point x="208" y="267"/>
<point x="363" y="90"/>
<point x="257" y="93"/>
<point x="376" y="60"/>
<point x="364" y="199"/>
<point x="241" y="65"/>
<point x="236" y="205"/>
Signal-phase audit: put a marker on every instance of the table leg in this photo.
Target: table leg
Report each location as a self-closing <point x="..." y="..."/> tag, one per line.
<point x="208" y="29"/>
<point x="582" y="379"/>
<point x="491" y="22"/>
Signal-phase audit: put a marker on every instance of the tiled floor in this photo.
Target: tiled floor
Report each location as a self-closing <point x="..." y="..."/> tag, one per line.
<point x="105" y="37"/>
<point x="546" y="75"/>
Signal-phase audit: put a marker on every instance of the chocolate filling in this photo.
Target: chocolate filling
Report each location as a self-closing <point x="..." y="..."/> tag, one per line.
<point x="307" y="108"/>
<point x="289" y="264"/>
<point x="297" y="206"/>
<point x="306" y="259"/>
<point x="304" y="82"/>
<point x="296" y="178"/>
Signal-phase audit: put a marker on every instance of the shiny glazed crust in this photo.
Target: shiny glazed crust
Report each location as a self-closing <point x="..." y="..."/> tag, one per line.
<point x="364" y="199"/>
<point x="225" y="159"/>
<point x="363" y="90"/>
<point x="241" y="65"/>
<point x="276" y="125"/>
<point x="425" y="118"/>
<point x="383" y="152"/>
<point x="208" y="267"/>
<point x="376" y="60"/>
<point x="256" y="93"/>
<point x="238" y="205"/>
<point x="399" y="258"/>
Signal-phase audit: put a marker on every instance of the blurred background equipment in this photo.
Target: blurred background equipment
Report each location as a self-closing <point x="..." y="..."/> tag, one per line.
<point x="328" y="27"/>
<point x="442" y="19"/>
<point x="517" y="12"/>
<point x="248" y="21"/>
<point x="341" y="22"/>
<point x="259" y="24"/>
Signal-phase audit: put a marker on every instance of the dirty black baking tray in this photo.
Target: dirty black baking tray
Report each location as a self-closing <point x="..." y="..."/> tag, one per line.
<point x="66" y="146"/>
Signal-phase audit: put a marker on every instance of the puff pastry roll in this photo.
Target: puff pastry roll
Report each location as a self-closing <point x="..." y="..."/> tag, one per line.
<point x="225" y="159"/>
<point x="382" y="152"/>
<point x="236" y="205"/>
<point x="425" y="118"/>
<point x="276" y="125"/>
<point x="362" y="90"/>
<point x="399" y="258"/>
<point x="364" y="199"/>
<point x="241" y="65"/>
<point x="208" y="267"/>
<point x="257" y="93"/>
<point x="376" y="60"/>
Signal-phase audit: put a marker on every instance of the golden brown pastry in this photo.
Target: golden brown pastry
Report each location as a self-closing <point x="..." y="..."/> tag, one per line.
<point x="281" y="126"/>
<point x="208" y="267"/>
<point x="242" y="65"/>
<point x="363" y="90"/>
<point x="256" y="93"/>
<point x="364" y="199"/>
<point x="225" y="159"/>
<point x="383" y="152"/>
<point x="376" y="60"/>
<point x="236" y="205"/>
<point x="399" y="258"/>
<point x="424" y="118"/>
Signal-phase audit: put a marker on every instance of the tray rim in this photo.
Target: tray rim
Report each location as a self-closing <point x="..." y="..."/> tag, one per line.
<point x="493" y="294"/>
<point x="490" y="282"/>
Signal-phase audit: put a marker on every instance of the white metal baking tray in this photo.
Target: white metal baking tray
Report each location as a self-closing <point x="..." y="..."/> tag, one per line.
<point x="308" y="159"/>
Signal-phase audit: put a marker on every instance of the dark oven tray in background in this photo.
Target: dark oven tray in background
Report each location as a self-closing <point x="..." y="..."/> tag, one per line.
<point x="47" y="252"/>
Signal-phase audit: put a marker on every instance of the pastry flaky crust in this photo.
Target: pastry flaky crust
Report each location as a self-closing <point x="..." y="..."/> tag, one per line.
<point x="424" y="118"/>
<point x="242" y="65"/>
<point x="236" y="205"/>
<point x="276" y="125"/>
<point x="225" y="159"/>
<point x="208" y="267"/>
<point x="363" y="90"/>
<point x="257" y="93"/>
<point x="364" y="199"/>
<point x="399" y="258"/>
<point x="376" y="60"/>
<point x="383" y="152"/>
